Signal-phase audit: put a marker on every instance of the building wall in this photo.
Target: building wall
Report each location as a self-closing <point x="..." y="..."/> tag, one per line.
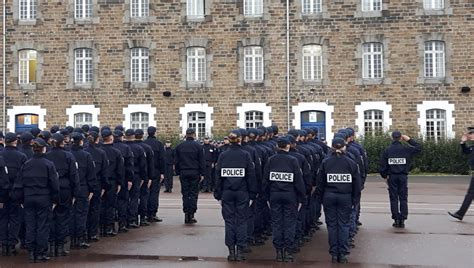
<point x="402" y="26"/>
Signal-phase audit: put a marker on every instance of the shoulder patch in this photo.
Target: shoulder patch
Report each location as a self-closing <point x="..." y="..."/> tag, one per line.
<point x="77" y="165"/>
<point x="6" y="170"/>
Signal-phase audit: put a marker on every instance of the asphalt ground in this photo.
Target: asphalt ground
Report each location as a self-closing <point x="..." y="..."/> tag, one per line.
<point x="431" y="237"/>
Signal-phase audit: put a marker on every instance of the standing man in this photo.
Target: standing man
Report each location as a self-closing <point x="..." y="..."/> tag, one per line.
<point x="169" y="156"/>
<point x="190" y="167"/>
<point x="469" y="136"/>
<point x="210" y="157"/>
<point x="145" y="187"/>
<point x="394" y="167"/>
<point x="159" y="165"/>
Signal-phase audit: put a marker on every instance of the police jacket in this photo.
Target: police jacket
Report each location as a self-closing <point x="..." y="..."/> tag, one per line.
<point x="86" y="168"/>
<point x="140" y="171"/>
<point x="115" y="171"/>
<point x="13" y="161"/>
<point x="190" y="158"/>
<point x="254" y="155"/>
<point x="101" y="162"/>
<point x="308" y="178"/>
<point x="159" y="154"/>
<point x="322" y="145"/>
<point x="67" y="168"/>
<point x="235" y="171"/>
<point x="283" y="174"/>
<point x="261" y="152"/>
<point x="37" y="177"/>
<point x="397" y="158"/>
<point x="338" y="174"/>
<point x="27" y="150"/>
<point x="365" y="158"/>
<point x="169" y="156"/>
<point x="210" y="154"/>
<point x="128" y="160"/>
<point x="150" y="160"/>
<point x="5" y="184"/>
<point x="469" y="151"/>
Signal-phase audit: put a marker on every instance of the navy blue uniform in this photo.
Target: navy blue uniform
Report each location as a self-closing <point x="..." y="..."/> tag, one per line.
<point x="210" y="156"/>
<point x="140" y="174"/>
<point x="338" y="186"/>
<point x="284" y="188"/>
<point x="159" y="166"/>
<point x="395" y="165"/>
<point x="470" y="192"/>
<point x="37" y="187"/>
<point x="236" y="184"/>
<point x="27" y="150"/>
<point x="123" y="195"/>
<point x="189" y="166"/>
<point x="150" y="177"/>
<point x="169" y="168"/>
<point x="68" y="176"/>
<point x="11" y="212"/>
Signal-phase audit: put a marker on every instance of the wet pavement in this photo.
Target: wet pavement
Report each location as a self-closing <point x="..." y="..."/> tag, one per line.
<point x="431" y="237"/>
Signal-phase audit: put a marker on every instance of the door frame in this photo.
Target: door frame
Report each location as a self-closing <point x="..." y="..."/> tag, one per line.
<point x="315" y="106"/>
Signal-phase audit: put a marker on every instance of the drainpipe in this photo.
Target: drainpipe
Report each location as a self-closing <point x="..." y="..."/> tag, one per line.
<point x="4" y="66"/>
<point x="288" y="63"/>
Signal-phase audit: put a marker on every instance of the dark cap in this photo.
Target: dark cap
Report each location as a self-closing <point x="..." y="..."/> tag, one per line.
<point x="275" y="129"/>
<point x="260" y="132"/>
<point x="269" y="130"/>
<point x="26" y="137"/>
<point x="283" y="141"/>
<point x="119" y="127"/>
<point x="293" y="132"/>
<point x="46" y="135"/>
<point x="94" y="135"/>
<point x="76" y="136"/>
<point x="396" y="134"/>
<point x="78" y="130"/>
<point x="139" y="132"/>
<point x="235" y="133"/>
<point x="130" y="132"/>
<point x="70" y="129"/>
<point x="190" y="131"/>
<point x="309" y="131"/>
<point x="315" y="129"/>
<point x="54" y="129"/>
<point x="252" y="131"/>
<point x="107" y="133"/>
<point x="1" y="135"/>
<point x="350" y="132"/>
<point x="338" y="142"/>
<point x="292" y="139"/>
<point x="10" y="137"/>
<point x="151" y="131"/>
<point x="470" y="130"/>
<point x="64" y="132"/>
<point x="40" y="143"/>
<point x="58" y="137"/>
<point x="116" y="133"/>
<point x="302" y="133"/>
<point x="105" y="127"/>
<point x="35" y="131"/>
<point x="95" y="129"/>
<point x="263" y="129"/>
<point x="243" y="132"/>
<point x="85" y="128"/>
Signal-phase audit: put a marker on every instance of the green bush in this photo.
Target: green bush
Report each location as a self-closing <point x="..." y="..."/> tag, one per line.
<point x="443" y="156"/>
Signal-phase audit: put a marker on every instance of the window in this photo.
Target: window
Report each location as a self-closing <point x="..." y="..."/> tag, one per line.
<point x="139" y="120"/>
<point x="371" y="5"/>
<point x="373" y="121"/>
<point x="140" y="65"/>
<point x="195" y="9"/>
<point x="28" y="9"/>
<point x="312" y="62"/>
<point x="81" y="119"/>
<point x="139" y="8"/>
<point x="197" y="120"/>
<point x="253" y="64"/>
<point x="83" y="66"/>
<point x="253" y="8"/>
<point x="196" y="62"/>
<point x="253" y="119"/>
<point x="311" y="7"/>
<point x="83" y="9"/>
<point x="435" y="124"/>
<point x="434" y="59"/>
<point x="372" y="61"/>
<point x="27" y="67"/>
<point x="433" y="4"/>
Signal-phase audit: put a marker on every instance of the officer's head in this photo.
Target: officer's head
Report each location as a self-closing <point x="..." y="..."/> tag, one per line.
<point x="39" y="146"/>
<point x="66" y="135"/>
<point x="396" y="135"/>
<point x="338" y="145"/>
<point x="275" y="129"/>
<point x="11" y="139"/>
<point x="130" y="135"/>
<point x="95" y="129"/>
<point x="35" y="132"/>
<point x="283" y="143"/>
<point x="168" y="143"/>
<point x="252" y="134"/>
<point x="45" y="135"/>
<point x="54" y="129"/>
<point x="118" y="135"/>
<point x="470" y="133"/>
<point x="235" y="136"/>
<point x="226" y="140"/>
<point x="107" y="136"/>
<point x="295" y="133"/>
<point x="93" y="137"/>
<point x="244" y="133"/>
<point x="77" y="139"/>
<point x="351" y="133"/>
<point x="191" y="133"/>
<point x="26" y="138"/>
<point x="57" y="140"/>
<point x="151" y="131"/>
<point x="85" y="128"/>
<point x="292" y="141"/>
<point x="206" y="140"/>
<point x="139" y="133"/>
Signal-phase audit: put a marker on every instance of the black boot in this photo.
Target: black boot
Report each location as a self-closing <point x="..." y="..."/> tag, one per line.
<point x="334" y="259"/>
<point x="31" y="257"/>
<point x="11" y="250"/>
<point x="396" y="223"/>
<point x="123" y="228"/>
<point x="231" y="256"/>
<point x="73" y="244"/>
<point x="192" y="219"/>
<point x="187" y="217"/>
<point x="60" y="251"/>
<point x="343" y="259"/>
<point x="51" y="249"/>
<point x="110" y="232"/>
<point x="280" y="257"/>
<point x="401" y="224"/>
<point x="82" y="243"/>
<point x="456" y="215"/>
<point x="144" y="221"/>
<point x="239" y="255"/>
<point x="288" y="257"/>
<point x="43" y="257"/>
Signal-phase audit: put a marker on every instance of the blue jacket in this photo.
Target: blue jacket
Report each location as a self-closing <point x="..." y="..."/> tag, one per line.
<point x="13" y="161"/>
<point x="190" y="158"/>
<point x="101" y="162"/>
<point x="86" y="168"/>
<point x="5" y="185"/>
<point x="396" y="159"/>
<point x="308" y="178"/>
<point x="128" y="160"/>
<point x="67" y="168"/>
<point x="150" y="160"/>
<point x="469" y="151"/>
<point x="115" y="169"/>
<point x="27" y="150"/>
<point x="159" y="155"/>
<point x="140" y="171"/>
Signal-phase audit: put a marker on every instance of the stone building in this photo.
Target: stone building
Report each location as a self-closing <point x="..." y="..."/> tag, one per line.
<point x="215" y="64"/>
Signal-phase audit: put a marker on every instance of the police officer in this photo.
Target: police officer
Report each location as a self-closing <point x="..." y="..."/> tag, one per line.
<point x="469" y="136"/>
<point x="68" y="177"/>
<point x="169" y="156"/>
<point x="2" y="141"/>
<point x="235" y="186"/>
<point x="285" y="191"/>
<point x="395" y="164"/>
<point x="210" y="156"/>
<point x="26" y="140"/>
<point x="338" y="186"/>
<point x="88" y="185"/>
<point x="101" y="162"/>
<point x="10" y="210"/>
<point x="159" y="174"/>
<point x="149" y="177"/>
<point x="190" y="167"/>
<point x="37" y="187"/>
<point x="115" y="177"/>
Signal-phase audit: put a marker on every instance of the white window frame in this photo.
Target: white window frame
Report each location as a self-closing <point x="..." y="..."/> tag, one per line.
<point x="140" y="57"/>
<point x="24" y="59"/>
<point x="312" y="62"/>
<point x="139" y="120"/>
<point x="375" y="121"/>
<point x="195" y="9"/>
<point x="83" y="9"/>
<point x="373" y="105"/>
<point x="81" y="119"/>
<point x="16" y="110"/>
<point x="251" y="120"/>
<point x="315" y="106"/>
<point x="139" y="8"/>
<point x="196" y="64"/>
<point x="197" y="120"/>
<point x="434" y="59"/>
<point x="433" y="4"/>
<point x="196" y="107"/>
<point x="372" y="60"/>
<point x="438" y="122"/>
<point x="253" y="106"/>
<point x="77" y="109"/>
<point x="27" y="10"/>
<point x="371" y="5"/>
<point x="441" y="105"/>
<point x="310" y="7"/>
<point x="83" y="66"/>
<point x="253" y="59"/>
<point x="136" y="108"/>
<point x="253" y="8"/>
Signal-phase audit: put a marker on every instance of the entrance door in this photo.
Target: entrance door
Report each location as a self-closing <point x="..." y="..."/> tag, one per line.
<point x="26" y="122"/>
<point x="314" y="119"/>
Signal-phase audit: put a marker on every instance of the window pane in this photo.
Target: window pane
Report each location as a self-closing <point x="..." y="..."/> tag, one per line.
<point x="253" y="64"/>
<point x="81" y="119"/>
<point x="312" y="62"/>
<point x="196" y="64"/>
<point x="139" y="65"/>
<point x="27" y="9"/>
<point x="373" y="122"/>
<point x="372" y="61"/>
<point x="253" y="8"/>
<point x="434" y="59"/>
<point x="253" y="119"/>
<point x="311" y="6"/>
<point x="83" y="65"/>
<point x="195" y="8"/>
<point x="27" y="64"/>
<point x="435" y="124"/>
<point x="371" y="5"/>
<point x="139" y="120"/>
<point x="197" y="120"/>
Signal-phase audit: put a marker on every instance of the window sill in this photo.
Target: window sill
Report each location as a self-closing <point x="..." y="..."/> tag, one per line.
<point x="197" y="85"/>
<point x="369" y="82"/>
<point x="314" y="82"/>
<point x="254" y="83"/>
<point x="434" y="12"/>
<point x="142" y="20"/>
<point x="368" y="14"/>
<point x="141" y="85"/>
<point x="435" y="80"/>
<point x="82" y="86"/>
<point x="315" y="16"/>
<point x="28" y="86"/>
<point x="27" y="22"/>
<point x="192" y="19"/>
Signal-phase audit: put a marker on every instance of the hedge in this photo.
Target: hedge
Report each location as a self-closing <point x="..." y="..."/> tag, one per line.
<point x="443" y="156"/>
